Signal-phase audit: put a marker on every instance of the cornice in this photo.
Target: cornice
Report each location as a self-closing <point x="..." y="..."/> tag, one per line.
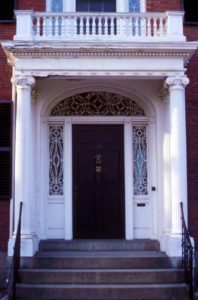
<point x="53" y="49"/>
<point x="99" y="73"/>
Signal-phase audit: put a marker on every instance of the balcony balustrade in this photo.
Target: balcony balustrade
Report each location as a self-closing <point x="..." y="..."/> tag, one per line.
<point x="129" y="27"/>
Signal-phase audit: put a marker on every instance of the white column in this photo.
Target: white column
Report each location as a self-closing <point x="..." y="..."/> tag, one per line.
<point x="128" y="180"/>
<point x="178" y="164"/>
<point x="24" y="164"/>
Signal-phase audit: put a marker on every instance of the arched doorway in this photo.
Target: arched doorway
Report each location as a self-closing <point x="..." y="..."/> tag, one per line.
<point x="98" y="178"/>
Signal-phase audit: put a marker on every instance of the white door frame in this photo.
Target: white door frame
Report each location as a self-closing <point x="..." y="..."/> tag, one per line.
<point x="68" y="122"/>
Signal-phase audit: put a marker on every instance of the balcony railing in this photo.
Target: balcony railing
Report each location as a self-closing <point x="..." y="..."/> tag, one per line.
<point x="128" y="27"/>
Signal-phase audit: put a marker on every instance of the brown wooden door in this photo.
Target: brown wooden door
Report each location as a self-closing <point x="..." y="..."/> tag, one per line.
<point x="98" y="181"/>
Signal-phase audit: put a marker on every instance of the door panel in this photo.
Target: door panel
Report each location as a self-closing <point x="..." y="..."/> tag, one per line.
<point x="98" y="180"/>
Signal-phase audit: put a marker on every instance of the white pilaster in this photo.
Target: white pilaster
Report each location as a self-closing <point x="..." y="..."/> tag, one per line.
<point x="68" y="181"/>
<point x="24" y="165"/>
<point x="178" y="164"/>
<point x="128" y="181"/>
<point x="122" y="6"/>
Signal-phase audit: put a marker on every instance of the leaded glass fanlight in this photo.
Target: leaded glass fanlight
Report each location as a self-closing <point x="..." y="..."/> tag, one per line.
<point x="97" y="104"/>
<point x="57" y="5"/>
<point x="134" y="5"/>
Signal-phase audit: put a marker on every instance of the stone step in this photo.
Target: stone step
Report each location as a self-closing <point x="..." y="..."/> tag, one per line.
<point x="102" y="292"/>
<point x="99" y="245"/>
<point x="98" y="260"/>
<point x="97" y="276"/>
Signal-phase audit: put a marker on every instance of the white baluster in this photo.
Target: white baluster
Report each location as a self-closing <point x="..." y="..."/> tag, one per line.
<point x="99" y="26"/>
<point x="136" y="26"/>
<point x="106" y="26"/>
<point x="81" y="26"/>
<point x="129" y="27"/>
<point x="44" y="27"/>
<point x="94" y="25"/>
<point x="118" y="26"/>
<point x="160" y="27"/>
<point x="38" y="26"/>
<point x="50" y="25"/>
<point x="88" y="25"/>
<point x="66" y="30"/>
<point x="143" y="27"/>
<point x="62" y="24"/>
<point x="155" y="20"/>
<point x="149" y="20"/>
<point x="73" y="25"/>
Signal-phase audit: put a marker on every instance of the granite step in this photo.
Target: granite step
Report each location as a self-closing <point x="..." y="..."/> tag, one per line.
<point x="102" y="292"/>
<point x="98" y="276"/>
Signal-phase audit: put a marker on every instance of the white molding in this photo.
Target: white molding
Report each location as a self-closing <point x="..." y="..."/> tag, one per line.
<point x="68" y="180"/>
<point x="128" y="122"/>
<point x="128" y="167"/>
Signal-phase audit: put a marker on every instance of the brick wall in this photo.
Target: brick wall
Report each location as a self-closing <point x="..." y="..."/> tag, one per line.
<point x="6" y="32"/>
<point x="4" y="223"/>
<point x="163" y="5"/>
<point x="192" y="135"/>
<point x="37" y="5"/>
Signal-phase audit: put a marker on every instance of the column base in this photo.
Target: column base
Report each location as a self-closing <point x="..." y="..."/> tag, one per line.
<point x="29" y="245"/>
<point x="172" y="244"/>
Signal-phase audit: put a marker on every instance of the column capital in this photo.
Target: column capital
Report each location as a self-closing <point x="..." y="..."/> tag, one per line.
<point x="176" y="82"/>
<point x="23" y="81"/>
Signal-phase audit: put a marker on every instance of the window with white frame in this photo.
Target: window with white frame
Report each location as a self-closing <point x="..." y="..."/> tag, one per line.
<point x="95" y="5"/>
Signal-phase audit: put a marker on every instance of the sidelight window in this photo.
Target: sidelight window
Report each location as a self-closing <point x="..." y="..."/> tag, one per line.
<point x="140" y="171"/>
<point x="55" y="160"/>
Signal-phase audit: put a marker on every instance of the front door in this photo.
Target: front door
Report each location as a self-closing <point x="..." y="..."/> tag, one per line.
<point x="98" y="181"/>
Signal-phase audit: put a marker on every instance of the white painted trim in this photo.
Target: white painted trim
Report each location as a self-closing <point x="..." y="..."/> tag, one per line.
<point x="68" y="181"/>
<point x="128" y="122"/>
<point x="128" y="180"/>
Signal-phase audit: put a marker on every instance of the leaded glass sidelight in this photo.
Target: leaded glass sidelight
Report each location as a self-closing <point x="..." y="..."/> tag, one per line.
<point x="140" y="171"/>
<point x="56" y="5"/>
<point x="134" y="5"/>
<point x="56" y="160"/>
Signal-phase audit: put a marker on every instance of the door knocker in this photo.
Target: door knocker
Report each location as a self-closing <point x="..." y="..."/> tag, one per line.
<point x="98" y="160"/>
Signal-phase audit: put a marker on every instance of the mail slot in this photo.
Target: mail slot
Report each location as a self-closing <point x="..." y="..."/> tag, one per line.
<point x="141" y="204"/>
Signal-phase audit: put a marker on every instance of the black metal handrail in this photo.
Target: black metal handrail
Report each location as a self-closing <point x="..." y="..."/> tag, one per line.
<point x="196" y="272"/>
<point x="187" y="254"/>
<point x="15" y="265"/>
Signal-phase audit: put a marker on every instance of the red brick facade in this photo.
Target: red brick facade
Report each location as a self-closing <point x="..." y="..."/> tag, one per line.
<point x="4" y="224"/>
<point x="192" y="135"/>
<point x="7" y="32"/>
